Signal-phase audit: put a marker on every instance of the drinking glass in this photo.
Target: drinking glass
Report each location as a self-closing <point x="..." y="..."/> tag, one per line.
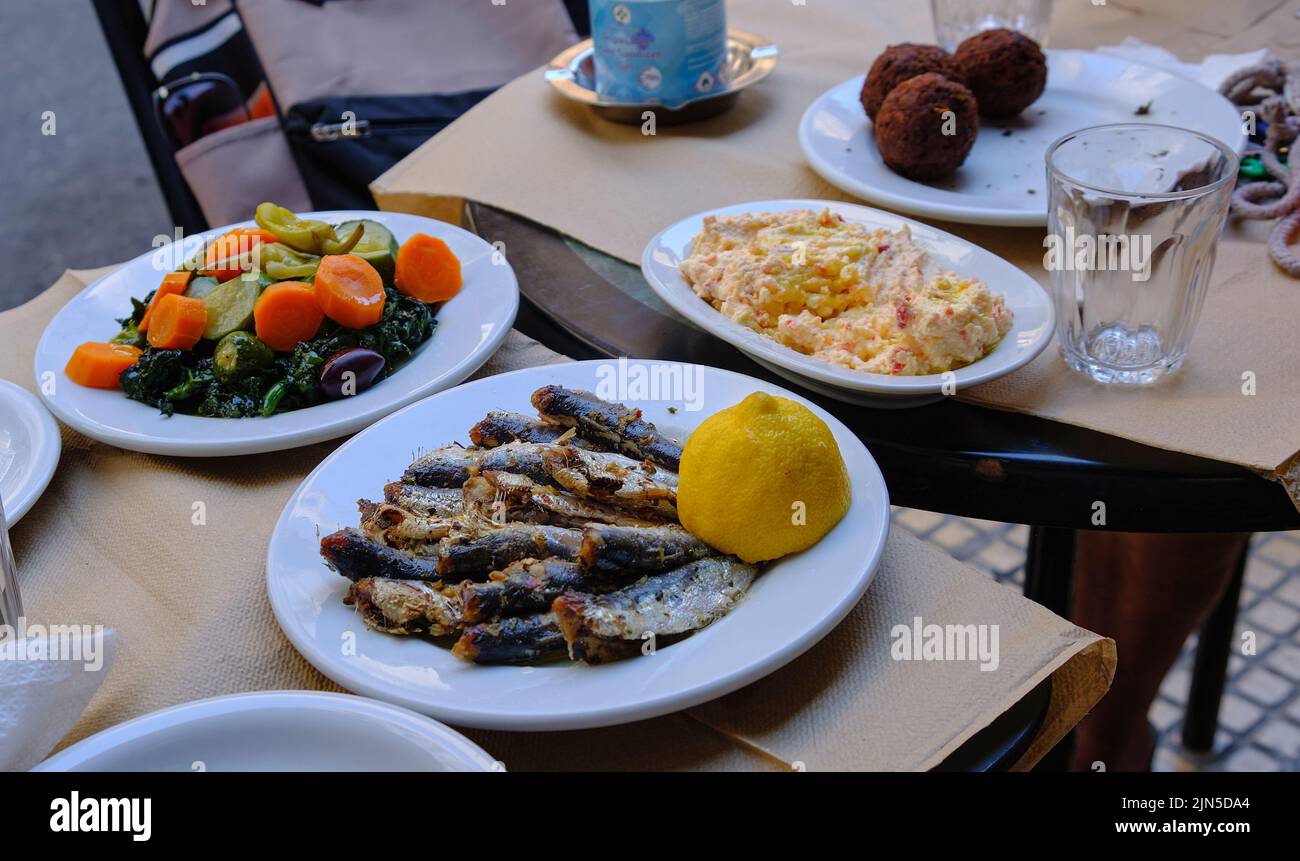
<point x="955" y="20"/>
<point x="1134" y="213"/>
<point x="11" y="604"/>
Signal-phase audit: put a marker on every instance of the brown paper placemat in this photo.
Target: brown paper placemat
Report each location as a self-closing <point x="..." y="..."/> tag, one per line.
<point x="613" y="188"/>
<point x="112" y="542"/>
<point x="1237" y="398"/>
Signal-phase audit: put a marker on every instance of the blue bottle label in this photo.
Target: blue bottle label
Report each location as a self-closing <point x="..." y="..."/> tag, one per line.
<point x="665" y="52"/>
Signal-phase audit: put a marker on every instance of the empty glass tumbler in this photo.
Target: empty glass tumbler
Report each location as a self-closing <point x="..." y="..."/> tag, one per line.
<point x="955" y="20"/>
<point x="1134" y="214"/>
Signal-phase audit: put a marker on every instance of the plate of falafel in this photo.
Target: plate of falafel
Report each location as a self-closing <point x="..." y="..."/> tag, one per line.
<point x="962" y="136"/>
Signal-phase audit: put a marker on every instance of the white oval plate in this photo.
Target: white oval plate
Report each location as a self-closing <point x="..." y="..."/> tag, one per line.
<point x="793" y="604"/>
<point x="1030" y="332"/>
<point x="470" y="328"/>
<point x="276" y="731"/>
<point x="29" y="450"/>
<point x="1003" y="180"/>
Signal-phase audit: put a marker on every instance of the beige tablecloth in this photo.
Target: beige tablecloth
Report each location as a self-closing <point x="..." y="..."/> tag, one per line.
<point x="613" y="188"/>
<point x="111" y="542"/>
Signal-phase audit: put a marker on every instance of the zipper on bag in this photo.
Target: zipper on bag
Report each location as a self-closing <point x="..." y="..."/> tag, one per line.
<point x="328" y="132"/>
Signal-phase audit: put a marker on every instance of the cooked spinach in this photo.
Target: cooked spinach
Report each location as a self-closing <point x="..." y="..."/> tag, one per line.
<point x="130" y="324"/>
<point x="138" y="307"/>
<point x="176" y="381"/>
<point x="153" y="376"/>
<point x="196" y="381"/>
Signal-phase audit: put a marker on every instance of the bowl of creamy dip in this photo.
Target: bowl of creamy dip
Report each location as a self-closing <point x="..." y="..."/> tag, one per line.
<point x="855" y="302"/>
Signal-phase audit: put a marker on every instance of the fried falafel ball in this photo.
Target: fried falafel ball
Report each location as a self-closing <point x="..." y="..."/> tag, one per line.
<point x="1005" y="70"/>
<point x="917" y="135"/>
<point x="896" y="64"/>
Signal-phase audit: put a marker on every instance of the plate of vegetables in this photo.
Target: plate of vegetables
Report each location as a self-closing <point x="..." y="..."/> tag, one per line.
<point x="275" y="333"/>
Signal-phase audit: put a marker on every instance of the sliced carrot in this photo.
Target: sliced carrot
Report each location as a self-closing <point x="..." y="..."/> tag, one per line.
<point x="287" y="314"/>
<point x="178" y="323"/>
<point x="427" y="270"/>
<point x="231" y="254"/>
<point x="99" y="365"/>
<point x="173" y="282"/>
<point x="350" y="291"/>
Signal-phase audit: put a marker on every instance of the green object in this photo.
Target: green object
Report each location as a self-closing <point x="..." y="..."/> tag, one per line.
<point x="343" y="245"/>
<point x="378" y="246"/>
<point x="282" y="263"/>
<point x="131" y="335"/>
<point x="130" y="324"/>
<point x="191" y="383"/>
<point x="271" y="400"/>
<point x="194" y="383"/>
<point x="201" y="286"/>
<point x="239" y="355"/>
<point x="230" y="307"/>
<point x="1253" y="168"/>
<point x="139" y="307"/>
<point x="153" y="376"/>
<point x="305" y="235"/>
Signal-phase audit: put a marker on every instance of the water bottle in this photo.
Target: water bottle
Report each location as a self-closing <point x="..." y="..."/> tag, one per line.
<point x="659" y="52"/>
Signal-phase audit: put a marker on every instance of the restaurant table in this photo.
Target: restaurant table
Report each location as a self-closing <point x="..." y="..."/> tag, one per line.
<point x="192" y="620"/>
<point x="949" y="456"/>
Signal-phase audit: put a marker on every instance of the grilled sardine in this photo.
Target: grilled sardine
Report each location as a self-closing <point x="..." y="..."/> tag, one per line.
<point x="603" y="628"/>
<point x="400" y="528"/>
<point x="520" y="497"/>
<point x="628" y="552"/>
<point x="520" y="458"/>
<point x="494" y="549"/>
<point x="611" y="478"/>
<point x="405" y="606"/>
<point x="499" y="427"/>
<point x="611" y="426"/>
<point x="429" y="501"/>
<point x="449" y="466"/>
<point x="516" y="640"/>
<point x="523" y="587"/>
<point x="356" y="557"/>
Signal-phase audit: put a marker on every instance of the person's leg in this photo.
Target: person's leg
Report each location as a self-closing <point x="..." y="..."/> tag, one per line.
<point x="1148" y="593"/>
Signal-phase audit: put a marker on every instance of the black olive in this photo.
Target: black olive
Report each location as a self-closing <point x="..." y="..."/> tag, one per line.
<point x="349" y="372"/>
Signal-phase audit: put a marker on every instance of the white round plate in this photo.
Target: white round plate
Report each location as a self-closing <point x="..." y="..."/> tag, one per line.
<point x="29" y="450"/>
<point x="276" y="731"/>
<point x="470" y="328"/>
<point x="1030" y="332"/>
<point x="1003" y="180"/>
<point x="793" y="604"/>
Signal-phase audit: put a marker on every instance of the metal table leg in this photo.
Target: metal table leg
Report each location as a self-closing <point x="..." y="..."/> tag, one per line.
<point x="1049" y="580"/>
<point x="1210" y="668"/>
<point x="1049" y="568"/>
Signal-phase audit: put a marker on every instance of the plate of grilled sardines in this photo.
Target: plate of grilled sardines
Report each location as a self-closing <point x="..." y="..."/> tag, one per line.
<point x="507" y="554"/>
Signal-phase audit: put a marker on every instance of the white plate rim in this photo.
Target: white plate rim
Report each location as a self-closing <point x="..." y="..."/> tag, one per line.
<point x="469" y="754"/>
<point x="683" y="300"/>
<point x="986" y="215"/>
<point x="47" y="443"/>
<point x="342" y="673"/>
<point x="300" y="427"/>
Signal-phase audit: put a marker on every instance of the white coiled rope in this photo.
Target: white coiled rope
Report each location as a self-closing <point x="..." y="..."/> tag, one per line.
<point x="1271" y="91"/>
